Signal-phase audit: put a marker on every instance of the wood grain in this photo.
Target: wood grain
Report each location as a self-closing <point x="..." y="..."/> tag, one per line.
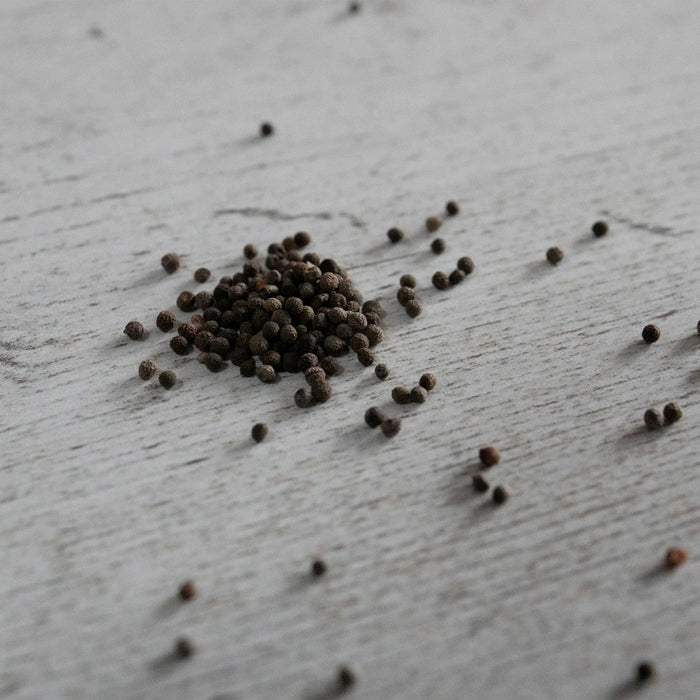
<point x="129" y="129"/>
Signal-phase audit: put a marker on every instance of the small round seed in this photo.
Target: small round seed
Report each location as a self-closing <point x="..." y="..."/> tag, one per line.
<point x="346" y="676"/>
<point x="331" y="366"/>
<point x="188" y="591"/>
<point x="266" y="129"/>
<point x="302" y="239"/>
<point x="365" y="356"/>
<point x="167" y="379"/>
<point x="314" y="374"/>
<point x="437" y="246"/>
<point x="266" y="373"/>
<point x="418" y="394"/>
<point x="321" y="390"/>
<point x="201" y="275"/>
<point x="653" y="418"/>
<point x="185" y="301"/>
<point x="374" y="417"/>
<point x="672" y="412"/>
<point x="165" y="321"/>
<point x="133" y="330"/>
<point x="414" y="308"/>
<point x="147" y="369"/>
<point x="555" y="255"/>
<point x="258" y="432"/>
<point x="183" y="648"/>
<point x="466" y="264"/>
<point x="303" y="399"/>
<point x="480" y="484"/>
<point x="428" y="381"/>
<point x="170" y="262"/>
<point x="599" y="228"/>
<point x="318" y="568"/>
<point x="645" y="671"/>
<point x="433" y="223"/>
<point x="214" y="362"/>
<point x="489" y="456"/>
<point x="405" y="294"/>
<point x="408" y="281"/>
<point x="250" y="251"/>
<point x="457" y="276"/>
<point x="500" y="495"/>
<point x="675" y="556"/>
<point x="381" y="371"/>
<point x="651" y="333"/>
<point x="440" y="280"/>
<point x="391" y="426"/>
<point x="179" y="345"/>
<point x="452" y="208"/>
<point x="394" y="235"/>
<point x="374" y="334"/>
<point x="401" y="395"/>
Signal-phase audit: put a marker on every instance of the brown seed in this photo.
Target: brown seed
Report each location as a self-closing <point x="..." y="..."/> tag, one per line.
<point x="651" y="333"/>
<point x="328" y="282"/>
<point x="381" y="371"/>
<point x="167" y="379"/>
<point x="266" y="373"/>
<point x="303" y="399"/>
<point x="414" y="308"/>
<point x="433" y="223"/>
<point x="480" y="484"/>
<point x="259" y="432"/>
<point x="489" y="456"/>
<point x="266" y="129"/>
<point x="133" y="330"/>
<point x="645" y="671"/>
<point x="188" y="591"/>
<point x="185" y="301"/>
<point x="374" y="417"/>
<point x="500" y="495"/>
<point x="466" y="264"/>
<point x="201" y="275"/>
<point x="331" y="366"/>
<point x="555" y="255"/>
<point x="438" y="246"/>
<point x="401" y="395"/>
<point x="374" y="334"/>
<point x="672" y="412"/>
<point x="365" y="356"/>
<point x="440" y="280"/>
<point x="428" y="381"/>
<point x="404" y="295"/>
<point x="302" y="239"/>
<point x="314" y="374"/>
<point x="452" y="208"/>
<point x="188" y="331"/>
<point x="408" y="281"/>
<point x="456" y="276"/>
<point x="391" y="426"/>
<point x="214" y="362"/>
<point x="170" y="262"/>
<point x="318" y="568"/>
<point x="321" y="390"/>
<point x="250" y="251"/>
<point x="147" y="369"/>
<point x="346" y="677"/>
<point x="599" y="228"/>
<point x="183" y="648"/>
<point x="675" y="556"/>
<point x="179" y="345"/>
<point x="394" y="234"/>
<point x="653" y="418"/>
<point x="418" y="394"/>
<point x="166" y="321"/>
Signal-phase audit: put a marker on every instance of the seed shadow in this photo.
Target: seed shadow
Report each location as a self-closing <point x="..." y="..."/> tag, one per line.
<point x="639" y="435"/>
<point x="165" y="663"/>
<point x="654" y="574"/>
<point x="168" y="607"/>
<point x="324" y="691"/>
<point x="151" y="277"/>
<point x="627" y="689"/>
<point x="483" y="510"/>
<point x="694" y="376"/>
<point x="538" y="267"/>
<point x="301" y="582"/>
<point x="461" y="490"/>
<point x="687" y="344"/>
<point x="633" y="349"/>
<point x="584" y="240"/>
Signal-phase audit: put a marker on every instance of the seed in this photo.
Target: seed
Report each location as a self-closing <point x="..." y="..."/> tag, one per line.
<point x="374" y="334"/>
<point x="266" y="129"/>
<point x="266" y="373"/>
<point x="314" y="374"/>
<point x="329" y="282"/>
<point x="401" y="395"/>
<point x="489" y="456"/>
<point x="259" y="432"/>
<point x="183" y="648"/>
<point x="321" y="390"/>
<point x="133" y="330"/>
<point x="408" y="281"/>
<point x="381" y="371"/>
<point x="331" y="366"/>
<point x="457" y="276"/>
<point x="653" y="418"/>
<point x="438" y="246"/>
<point x="147" y="369"/>
<point x="374" y="417"/>
<point x="247" y="368"/>
<point x="365" y="356"/>
<point x="179" y="345"/>
<point x="405" y="294"/>
<point x="452" y="208"/>
<point x="214" y="362"/>
<point x="599" y="228"/>
<point x="201" y="274"/>
<point x="394" y="234"/>
<point x="428" y="381"/>
<point x="555" y="255"/>
<point x="651" y="333"/>
<point x="250" y="251"/>
<point x="675" y="556"/>
<point x="480" y="484"/>
<point x="188" y="331"/>
<point x="167" y="379"/>
<point x="346" y="677"/>
<point x="414" y="308"/>
<point x="433" y="223"/>
<point x="303" y="399"/>
<point x="440" y="280"/>
<point x="500" y="495"/>
<point x="188" y="591"/>
<point x="318" y="568"/>
<point x="354" y="7"/>
<point x="418" y="394"/>
<point x="203" y="300"/>
<point x="391" y="426"/>
<point x="645" y="671"/>
<point x="165" y="321"/>
<point x="672" y="412"/>
<point x="170" y="262"/>
<point x="466" y="264"/>
<point x="185" y="301"/>
<point x="302" y="239"/>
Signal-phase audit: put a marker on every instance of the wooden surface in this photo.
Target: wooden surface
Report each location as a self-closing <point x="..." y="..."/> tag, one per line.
<point x="129" y="129"/>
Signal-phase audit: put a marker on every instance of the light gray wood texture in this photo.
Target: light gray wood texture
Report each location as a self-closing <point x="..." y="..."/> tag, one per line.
<point x="129" y="129"/>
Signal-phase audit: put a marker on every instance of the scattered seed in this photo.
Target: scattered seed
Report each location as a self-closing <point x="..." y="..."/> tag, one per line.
<point x="452" y="208"/>
<point x="440" y="280"/>
<point x="428" y="381"/>
<point x="170" y="262"/>
<point x="167" y="379"/>
<point x="599" y="228"/>
<point x="381" y="371"/>
<point x="675" y="556"/>
<point x="405" y="294"/>
<point x="457" y="276"/>
<point x="408" y="281"/>
<point x="418" y="394"/>
<point x="480" y="484"/>
<point x="672" y="412"/>
<point x="318" y="568"/>
<point x="185" y="301"/>
<point x="437" y="246"/>
<point x="401" y="395"/>
<point x="653" y="418"/>
<point x="466" y="264"/>
<point x="394" y="234"/>
<point x="133" y="330"/>
<point x="489" y="456"/>
<point x="179" y="345"/>
<point x="365" y="356"/>
<point x="259" y="432"/>
<point x="433" y="223"/>
<point x="302" y="239"/>
<point x="414" y="308"/>
<point x="201" y="275"/>
<point x="166" y="321"/>
<point x="555" y="255"/>
<point x="147" y="369"/>
<point x="645" y="671"/>
<point x="651" y="333"/>
<point x="321" y="390"/>
<point x="346" y="677"/>
<point x="391" y="426"/>
<point x="183" y="648"/>
<point x="249" y="251"/>
<point x="500" y="495"/>
<point x="188" y="591"/>
<point x="374" y="417"/>
<point x="266" y="129"/>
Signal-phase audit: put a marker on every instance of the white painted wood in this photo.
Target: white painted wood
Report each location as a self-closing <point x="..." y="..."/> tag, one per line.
<point x="538" y="118"/>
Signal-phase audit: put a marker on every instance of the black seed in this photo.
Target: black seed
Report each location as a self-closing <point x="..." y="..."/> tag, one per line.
<point x="214" y="362"/>
<point x="438" y="246"/>
<point x="303" y="399"/>
<point x="440" y="280"/>
<point x="165" y="321"/>
<point x="391" y="426"/>
<point x="318" y="568"/>
<point x="201" y="274"/>
<point x="133" y="330"/>
<point x="183" y="648"/>
<point x="645" y="671"/>
<point x="401" y="395"/>
<point x="258" y="432"/>
<point x="185" y="301"/>
<point x="365" y="356"/>
<point x="188" y="591"/>
<point x="250" y="251"/>
<point x="167" y="379"/>
<point x="418" y="394"/>
<point x="480" y="484"/>
<point x="179" y="345"/>
<point x="321" y="390"/>
<point x="404" y="295"/>
<point x="466" y="264"/>
<point x="346" y="677"/>
<point x="394" y="234"/>
<point x="651" y="333"/>
<point x="414" y="308"/>
<point x="500" y="495"/>
<point x="457" y="276"/>
<point x="302" y="239"/>
<point x="555" y="255"/>
<point x="147" y="369"/>
<point x="653" y="418"/>
<point x="408" y="281"/>
<point x="428" y="381"/>
<point x="452" y="208"/>
<point x="266" y="373"/>
<point x="170" y="262"/>
<point x="381" y="371"/>
<point x="599" y="228"/>
<point x="672" y="412"/>
<point x="266" y="129"/>
<point x="374" y="417"/>
<point x="433" y="223"/>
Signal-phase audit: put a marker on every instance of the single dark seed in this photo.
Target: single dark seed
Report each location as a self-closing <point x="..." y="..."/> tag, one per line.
<point x="645" y="671"/>
<point x="314" y="374"/>
<point x="404" y="295"/>
<point x="438" y="246"/>
<point x="414" y="308"/>
<point x="303" y="399"/>
<point x="214" y="362"/>
<point x="185" y="301"/>
<point x="555" y="255"/>
<point x="266" y="129"/>
<point x="183" y="648"/>
<point x="250" y="251"/>
<point x="147" y="369"/>
<point x="381" y="371"/>
<point x="266" y="373"/>
<point x="653" y="418"/>
<point x="391" y="426"/>
<point x="672" y="412"/>
<point x="179" y="345"/>
<point x="433" y="223"/>
<point x="394" y="234"/>
<point x="331" y="366"/>
<point x="346" y="677"/>
<point x="457" y="276"/>
<point x="201" y="275"/>
<point x="188" y="591"/>
<point x="167" y="379"/>
<point x="599" y="228"/>
<point x="321" y="390"/>
<point x="489" y="456"/>
<point x="408" y="281"/>
<point x="165" y="321"/>
<point x="428" y="381"/>
<point x="365" y="356"/>
<point x="133" y="330"/>
<point x="259" y="432"/>
<point x="452" y="208"/>
<point x="318" y="568"/>
<point x="651" y="333"/>
<point x="374" y="417"/>
<point x="440" y="280"/>
<point x="675" y="556"/>
<point x="466" y="264"/>
<point x="170" y="262"/>
<point x="401" y="395"/>
<point x="480" y="484"/>
<point x="500" y="495"/>
<point x="302" y="239"/>
<point x="418" y="394"/>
